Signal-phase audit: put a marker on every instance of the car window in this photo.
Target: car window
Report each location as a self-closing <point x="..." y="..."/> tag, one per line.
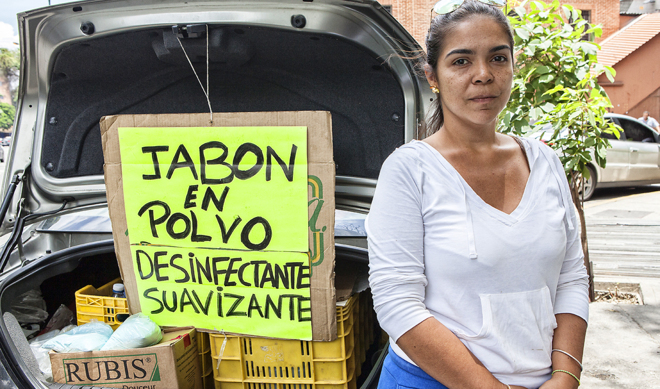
<point x="606" y="135"/>
<point x="635" y="131"/>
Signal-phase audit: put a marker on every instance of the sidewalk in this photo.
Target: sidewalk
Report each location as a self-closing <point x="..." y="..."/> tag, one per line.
<point x="622" y="348"/>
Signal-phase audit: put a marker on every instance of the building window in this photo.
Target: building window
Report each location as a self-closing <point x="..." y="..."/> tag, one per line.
<point x="586" y="15"/>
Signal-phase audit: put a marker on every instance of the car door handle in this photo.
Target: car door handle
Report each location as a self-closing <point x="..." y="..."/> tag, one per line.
<point x="633" y="150"/>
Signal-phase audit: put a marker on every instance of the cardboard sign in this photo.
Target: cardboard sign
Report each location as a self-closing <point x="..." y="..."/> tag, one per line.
<point x="228" y="227"/>
<point x="171" y="364"/>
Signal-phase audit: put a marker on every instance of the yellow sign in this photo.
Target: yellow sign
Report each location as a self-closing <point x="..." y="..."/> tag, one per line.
<point x="218" y="224"/>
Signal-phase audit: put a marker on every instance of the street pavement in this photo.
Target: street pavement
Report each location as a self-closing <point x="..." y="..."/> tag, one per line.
<point x="622" y="348"/>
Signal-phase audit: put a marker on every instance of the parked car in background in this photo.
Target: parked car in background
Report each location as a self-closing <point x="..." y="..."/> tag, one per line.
<point x="90" y="59"/>
<point x="2" y="154"/>
<point x="633" y="159"/>
<point x="6" y="141"/>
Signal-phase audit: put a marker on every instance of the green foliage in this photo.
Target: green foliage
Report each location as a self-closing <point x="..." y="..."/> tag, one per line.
<point x="9" y="62"/>
<point x="9" y="67"/>
<point x="556" y="84"/>
<point x="7" y="114"/>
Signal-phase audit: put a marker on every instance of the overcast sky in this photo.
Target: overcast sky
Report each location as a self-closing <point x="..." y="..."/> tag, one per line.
<point x="8" y="24"/>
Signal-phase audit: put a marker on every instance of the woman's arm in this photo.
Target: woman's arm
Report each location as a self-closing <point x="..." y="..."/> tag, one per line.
<point x="437" y="351"/>
<point x="571" y="304"/>
<point x="569" y="337"/>
<point x="395" y="230"/>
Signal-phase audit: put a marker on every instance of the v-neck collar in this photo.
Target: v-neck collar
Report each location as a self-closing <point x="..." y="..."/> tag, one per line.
<point x="521" y="210"/>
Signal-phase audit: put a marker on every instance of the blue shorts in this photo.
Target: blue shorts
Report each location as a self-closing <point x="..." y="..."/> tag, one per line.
<point x="399" y="373"/>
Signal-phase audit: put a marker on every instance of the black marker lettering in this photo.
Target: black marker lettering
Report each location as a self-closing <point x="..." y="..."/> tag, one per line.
<point x="190" y="196"/>
<point x="230" y="271"/>
<point x="158" y="266"/>
<point x="195" y="237"/>
<point x="254" y="305"/>
<point x="187" y="300"/>
<point x="216" y="271"/>
<point x="204" y="307"/>
<point x="234" y="306"/>
<point x="153" y="222"/>
<point x="186" y="163"/>
<point x="146" y="295"/>
<point x="170" y="226"/>
<point x="270" y="304"/>
<point x="209" y="196"/>
<point x="154" y="157"/>
<point x="217" y="161"/>
<point x="240" y="274"/>
<point x="138" y="259"/>
<point x="205" y="270"/>
<point x="186" y="276"/>
<point x="245" y="234"/>
<point x="227" y="234"/>
<point x="238" y="158"/>
<point x="174" y="302"/>
<point x="288" y="171"/>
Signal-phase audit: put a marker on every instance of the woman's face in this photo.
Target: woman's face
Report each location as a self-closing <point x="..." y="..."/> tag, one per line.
<point x="474" y="72"/>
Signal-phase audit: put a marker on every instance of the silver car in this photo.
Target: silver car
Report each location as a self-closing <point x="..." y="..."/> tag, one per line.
<point x="633" y="159"/>
<point x="85" y="60"/>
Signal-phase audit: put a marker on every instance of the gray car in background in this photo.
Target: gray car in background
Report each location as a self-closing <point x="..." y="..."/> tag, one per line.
<point x="633" y="159"/>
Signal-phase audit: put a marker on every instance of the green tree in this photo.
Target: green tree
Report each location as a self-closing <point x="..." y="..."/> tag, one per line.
<point x="9" y="70"/>
<point x="7" y="114"/>
<point x="556" y="87"/>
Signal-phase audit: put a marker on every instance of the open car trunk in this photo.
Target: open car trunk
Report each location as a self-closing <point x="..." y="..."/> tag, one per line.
<point x="251" y="69"/>
<point x="60" y="275"/>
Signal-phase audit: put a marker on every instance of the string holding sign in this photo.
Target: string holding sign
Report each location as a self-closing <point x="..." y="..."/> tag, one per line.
<point x="206" y="92"/>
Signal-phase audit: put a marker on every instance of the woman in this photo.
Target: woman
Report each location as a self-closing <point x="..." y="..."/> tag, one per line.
<point x="476" y="266"/>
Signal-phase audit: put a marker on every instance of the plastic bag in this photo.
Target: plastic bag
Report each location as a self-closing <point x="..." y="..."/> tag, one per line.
<point x="136" y="332"/>
<point x="87" y="337"/>
<point x="61" y="318"/>
<point x="41" y="354"/>
<point x="29" y="307"/>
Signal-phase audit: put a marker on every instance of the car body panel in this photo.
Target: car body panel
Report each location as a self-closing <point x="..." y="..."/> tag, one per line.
<point x="56" y="244"/>
<point x="45" y="33"/>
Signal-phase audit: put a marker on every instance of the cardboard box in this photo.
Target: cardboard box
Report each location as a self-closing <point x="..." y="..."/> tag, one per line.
<point x="321" y="170"/>
<point x="171" y="364"/>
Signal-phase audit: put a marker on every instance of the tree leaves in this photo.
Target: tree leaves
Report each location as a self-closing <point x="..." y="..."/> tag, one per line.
<point x="555" y="84"/>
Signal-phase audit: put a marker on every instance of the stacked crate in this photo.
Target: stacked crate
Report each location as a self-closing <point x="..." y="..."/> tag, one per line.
<point x="98" y="304"/>
<point x="254" y="363"/>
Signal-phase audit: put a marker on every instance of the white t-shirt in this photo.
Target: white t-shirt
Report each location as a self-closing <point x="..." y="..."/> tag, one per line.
<point x="649" y="122"/>
<point x="496" y="280"/>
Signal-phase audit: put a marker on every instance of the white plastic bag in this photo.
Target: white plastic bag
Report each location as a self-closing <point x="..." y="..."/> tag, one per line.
<point x="136" y="332"/>
<point x="87" y="337"/>
<point x="41" y="354"/>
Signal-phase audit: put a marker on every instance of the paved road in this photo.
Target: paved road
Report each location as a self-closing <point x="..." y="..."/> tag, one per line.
<point x="623" y="228"/>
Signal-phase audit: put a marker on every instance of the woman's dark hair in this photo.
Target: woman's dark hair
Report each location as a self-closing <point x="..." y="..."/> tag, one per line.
<point x="441" y="25"/>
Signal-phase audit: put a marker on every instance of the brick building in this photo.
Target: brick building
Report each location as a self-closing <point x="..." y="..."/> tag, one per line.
<point x="633" y="53"/>
<point x="415" y="15"/>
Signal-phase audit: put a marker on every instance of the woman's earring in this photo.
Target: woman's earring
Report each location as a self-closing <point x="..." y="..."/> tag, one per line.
<point x="435" y="89"/>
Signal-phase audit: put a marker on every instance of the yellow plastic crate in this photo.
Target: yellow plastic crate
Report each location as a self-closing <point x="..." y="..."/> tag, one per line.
<point x="92" y="303"/>
<point x="252" y="363"/>
<point x="205" y="360"/>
